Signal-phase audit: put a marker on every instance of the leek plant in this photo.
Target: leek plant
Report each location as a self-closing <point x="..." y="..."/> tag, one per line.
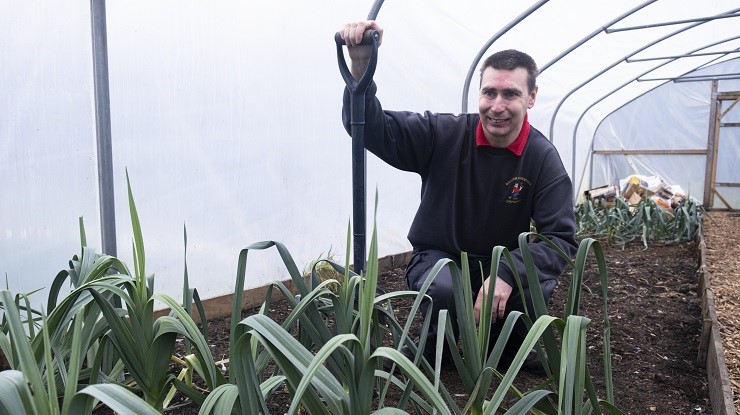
<point x="102" y="332"/>
<point x="568" y="379"/>
<point x="32" y="388"/>
<point x="341" y="370"/>
<point x="65" y="350"/>
<point x="622" y="223"/>
<point x="145" y="344"/>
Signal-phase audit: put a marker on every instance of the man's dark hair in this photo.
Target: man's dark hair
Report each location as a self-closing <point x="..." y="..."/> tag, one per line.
<point x="511" y="59"/>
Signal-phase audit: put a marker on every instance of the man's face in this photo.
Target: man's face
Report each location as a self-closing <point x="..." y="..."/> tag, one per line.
<point x="504" y="100"/>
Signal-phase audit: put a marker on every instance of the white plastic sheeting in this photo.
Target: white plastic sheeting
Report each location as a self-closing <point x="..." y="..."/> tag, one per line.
<point x="227" y="117"/>
<point x="675" y="116"/>
<point x="47" y="147"/>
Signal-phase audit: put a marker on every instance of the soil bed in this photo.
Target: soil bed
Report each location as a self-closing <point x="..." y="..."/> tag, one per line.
<point x="655" y="328"/>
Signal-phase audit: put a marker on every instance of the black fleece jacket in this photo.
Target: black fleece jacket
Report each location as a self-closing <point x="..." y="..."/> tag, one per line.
<point x="475" y="198"/>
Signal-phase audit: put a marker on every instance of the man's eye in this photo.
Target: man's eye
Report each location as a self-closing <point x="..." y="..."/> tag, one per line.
<point x="490" y="94"/>
<point x="510" y="95"/>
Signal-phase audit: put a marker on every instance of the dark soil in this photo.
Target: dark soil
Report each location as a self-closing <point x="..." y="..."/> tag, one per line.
<point x="655" y="319"/>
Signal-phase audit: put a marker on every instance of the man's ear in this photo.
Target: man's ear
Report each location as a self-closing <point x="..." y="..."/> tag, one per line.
<point x="532" y="97"/>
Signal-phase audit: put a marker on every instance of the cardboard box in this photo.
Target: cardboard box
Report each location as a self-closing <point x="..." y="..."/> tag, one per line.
<point x="602" y="196"/>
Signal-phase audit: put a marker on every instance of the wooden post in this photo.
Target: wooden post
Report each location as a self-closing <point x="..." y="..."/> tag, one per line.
<point x="711" y="167"/>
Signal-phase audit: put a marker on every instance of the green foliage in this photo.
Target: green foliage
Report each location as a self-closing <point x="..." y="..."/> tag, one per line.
<point x="621" y="223"/>
<point x="326" y="370"/>
<point x="102" y="332"/>
<point x="568" y="379"/>
<point x="338" y="352"/>
<point x="329" y="370"/>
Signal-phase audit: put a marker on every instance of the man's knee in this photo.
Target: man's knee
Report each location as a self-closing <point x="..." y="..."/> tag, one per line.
<point x="440" y="288"/>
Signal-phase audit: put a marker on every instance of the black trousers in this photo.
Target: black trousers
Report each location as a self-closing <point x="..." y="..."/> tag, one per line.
<point x="442" y="294"/>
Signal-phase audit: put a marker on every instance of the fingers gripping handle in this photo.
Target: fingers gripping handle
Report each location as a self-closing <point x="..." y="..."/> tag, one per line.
<point x="370" y="37"/>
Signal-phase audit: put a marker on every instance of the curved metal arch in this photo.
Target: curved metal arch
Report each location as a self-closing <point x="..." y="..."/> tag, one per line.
<point x="614" y="64"/>
<point x="374" y="10"/>
<point x="583" y="114"/>
<point x="488" y="44"/>
<point x="476" y="60"/>
<point x="693" y="55"/>
<point x="593" y="34"/>
<point x="650" y="26"/>
<point x="682" y="78"/>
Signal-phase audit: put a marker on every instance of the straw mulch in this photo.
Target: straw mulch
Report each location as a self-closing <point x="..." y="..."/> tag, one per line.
<point x="722" y="237"/>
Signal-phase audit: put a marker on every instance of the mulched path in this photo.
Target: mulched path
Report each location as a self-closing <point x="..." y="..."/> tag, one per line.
<point x="722" y="238"/>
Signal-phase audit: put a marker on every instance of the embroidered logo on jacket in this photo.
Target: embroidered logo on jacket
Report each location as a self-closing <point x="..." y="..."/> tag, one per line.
<point x="518" y="187"/>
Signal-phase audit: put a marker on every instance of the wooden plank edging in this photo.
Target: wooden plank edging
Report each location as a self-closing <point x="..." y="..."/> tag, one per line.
<point x="220" y="306"/>
<point x="711" y="351"/>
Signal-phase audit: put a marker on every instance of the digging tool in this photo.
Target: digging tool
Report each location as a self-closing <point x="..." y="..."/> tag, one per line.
<point x="357" y="91"/>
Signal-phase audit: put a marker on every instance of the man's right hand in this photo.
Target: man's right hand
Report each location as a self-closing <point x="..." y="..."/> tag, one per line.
<point x="359" y="54"/>
<point x="501" y="294"/>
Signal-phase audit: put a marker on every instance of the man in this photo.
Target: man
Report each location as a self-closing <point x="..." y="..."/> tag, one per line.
<point x="484" y="178"/>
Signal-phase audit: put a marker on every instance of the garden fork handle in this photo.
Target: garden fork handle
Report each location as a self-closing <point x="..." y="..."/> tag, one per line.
<point x="357" y="90"/>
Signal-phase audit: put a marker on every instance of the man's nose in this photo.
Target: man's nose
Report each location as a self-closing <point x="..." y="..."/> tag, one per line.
<point x="498" y="104"/>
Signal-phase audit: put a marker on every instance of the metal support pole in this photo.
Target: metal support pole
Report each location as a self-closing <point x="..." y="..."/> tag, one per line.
<point x="103" y="127"/>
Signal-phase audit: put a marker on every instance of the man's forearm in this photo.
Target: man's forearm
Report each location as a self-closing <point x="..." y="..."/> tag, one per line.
<point x="358" y="68"/>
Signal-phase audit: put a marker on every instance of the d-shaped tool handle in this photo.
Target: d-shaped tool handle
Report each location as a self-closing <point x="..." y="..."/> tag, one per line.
<point x="370" y="37"/>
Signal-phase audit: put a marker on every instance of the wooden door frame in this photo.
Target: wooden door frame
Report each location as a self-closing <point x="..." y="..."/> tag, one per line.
<point x="715" y="123"/>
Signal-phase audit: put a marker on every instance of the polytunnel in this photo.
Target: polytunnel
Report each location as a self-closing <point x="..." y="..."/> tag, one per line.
<point x="226" y="118"/>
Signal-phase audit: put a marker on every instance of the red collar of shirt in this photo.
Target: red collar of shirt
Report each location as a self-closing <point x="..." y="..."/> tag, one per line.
<point x="517" y="147"/>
